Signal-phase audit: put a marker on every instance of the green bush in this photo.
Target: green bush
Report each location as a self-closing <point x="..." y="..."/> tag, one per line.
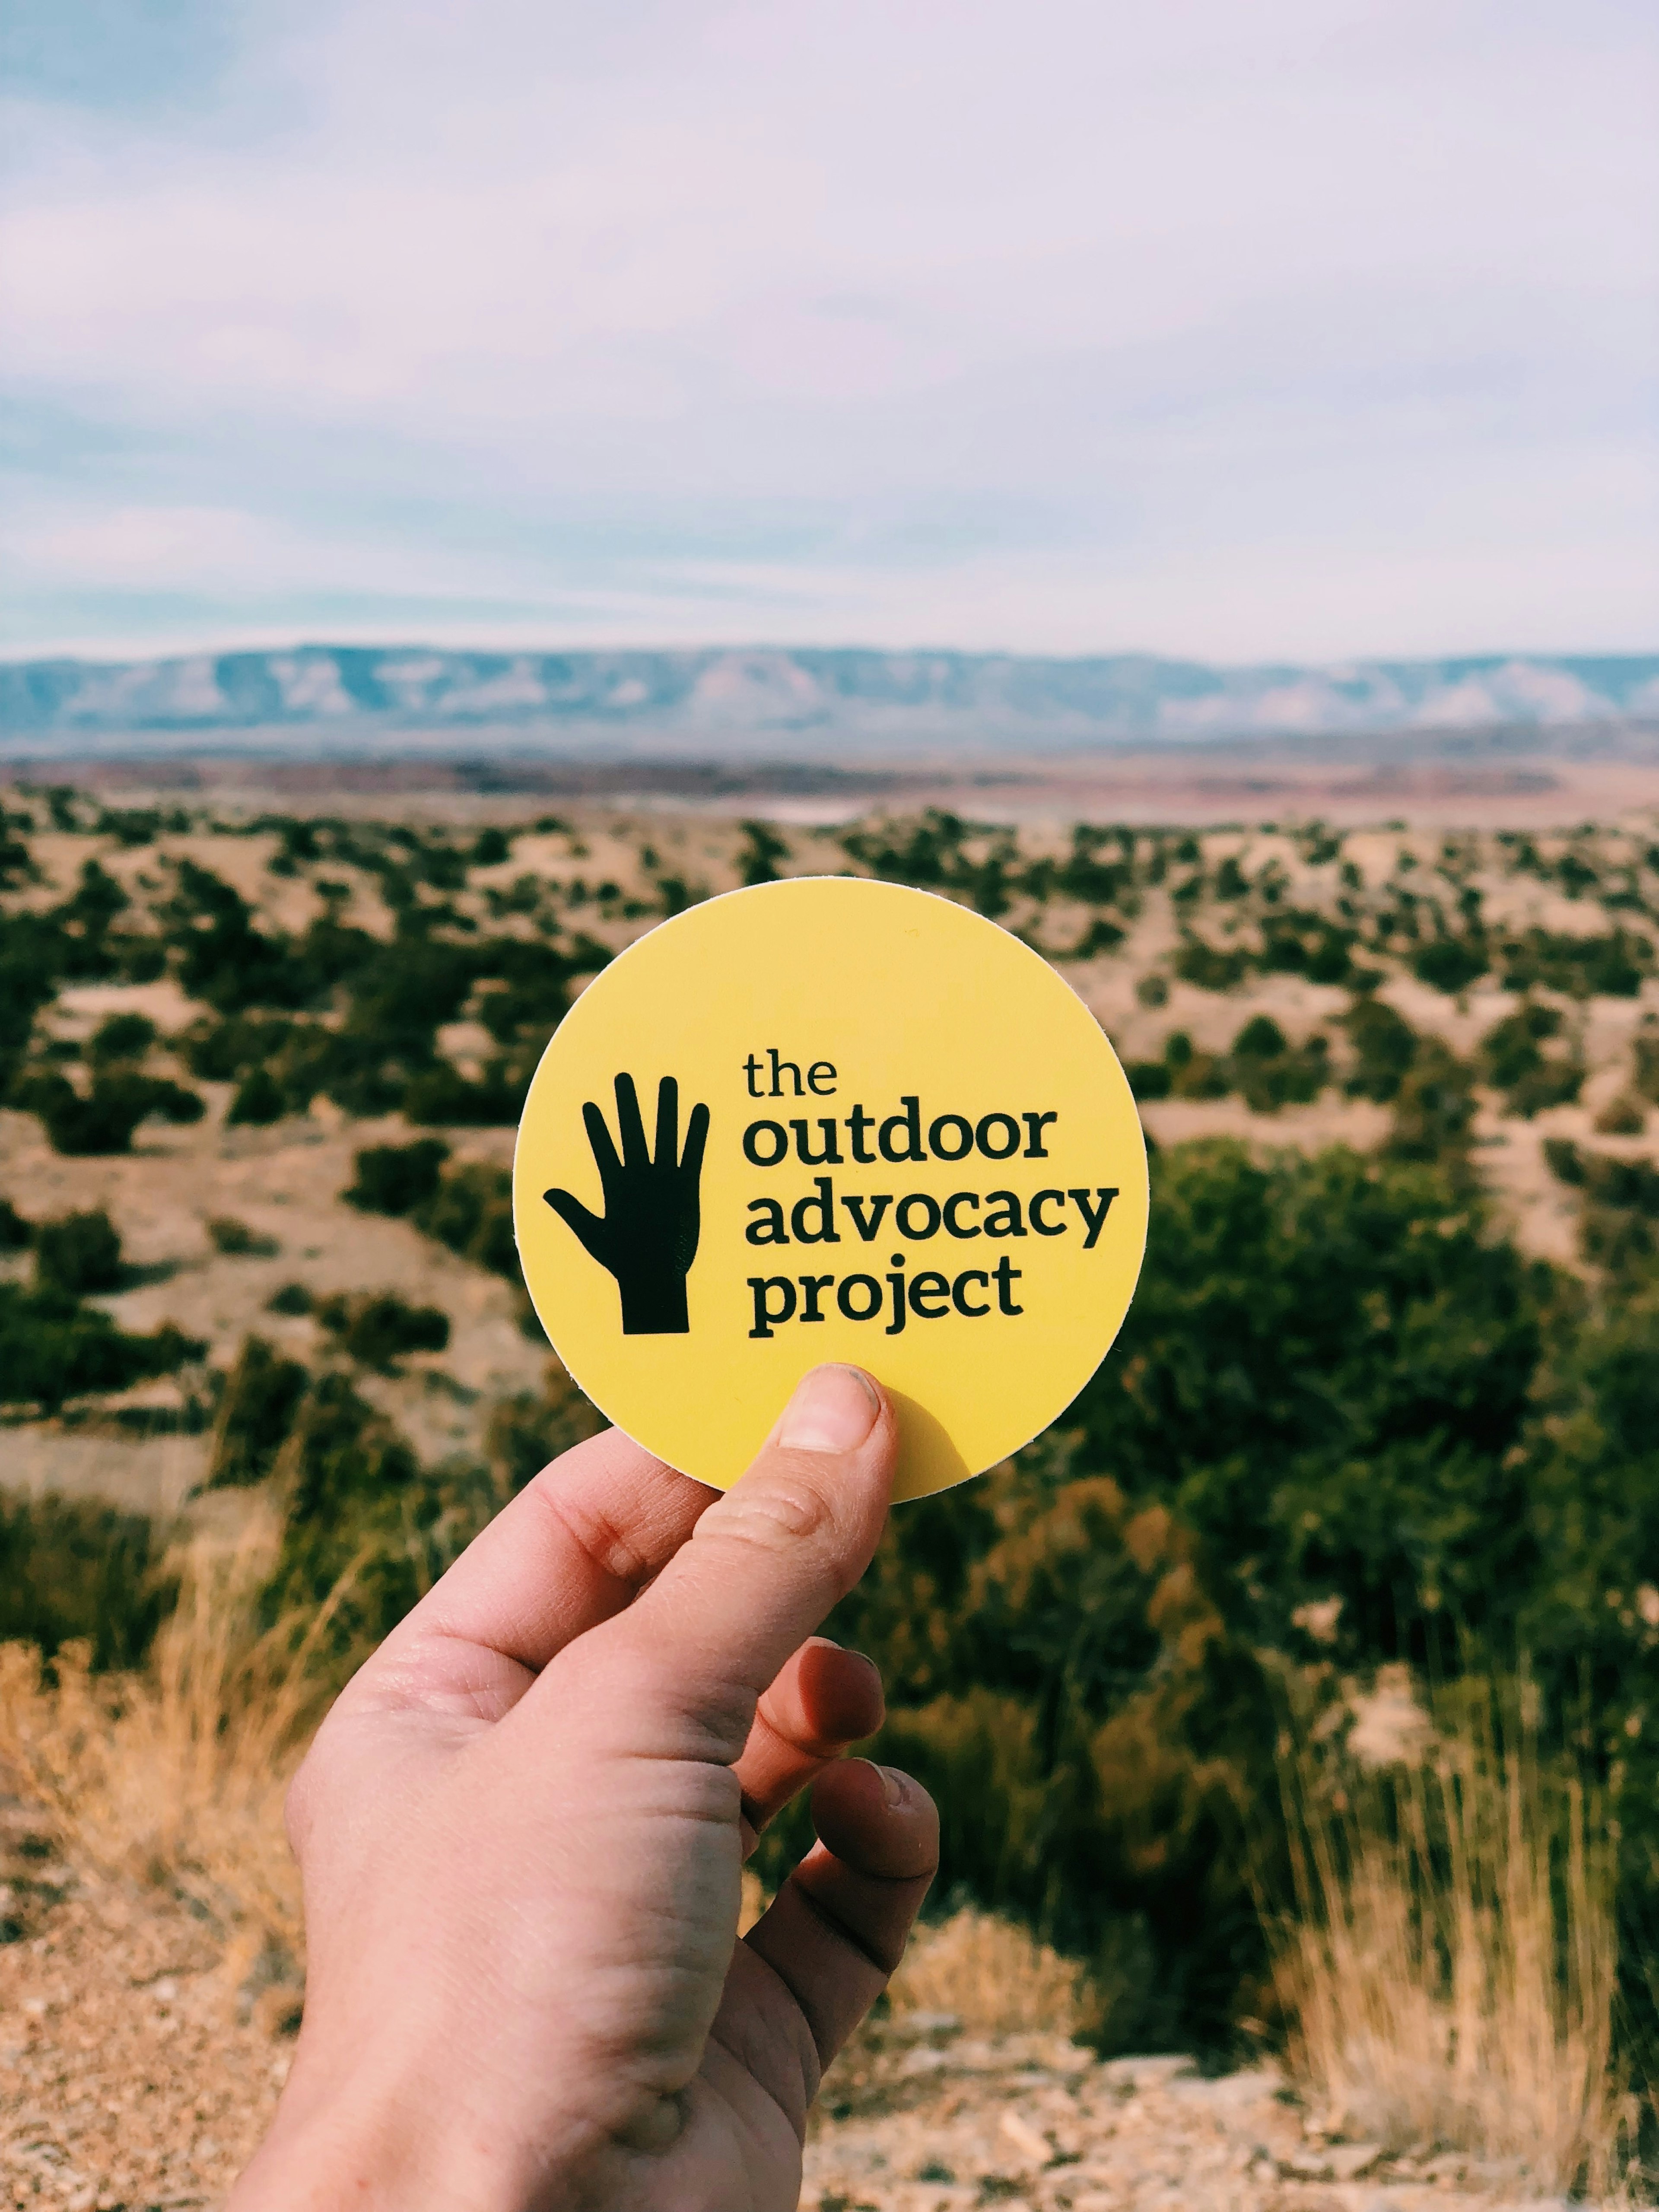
<point x="364" y="1527"/>
<point x="259" y="1101"/>
<point x="1512" y="1059"/>
<point x="1209" y="967"/>
<point x="472" y="1213"/>
<point x="1324" y="1369"/>
<point x="72" y="1570"/>
<point x="222" y="957"/>
<point x="102" y="1119"/>
<point x="1433" y="1111"/>
<point x="377" y="1328"/>
<point x="1269" y="1071"/>
<point x="236" y="1240"/>
<point x="1384" y="1045"/>
<point x="397" y="1178"/>
<point x="443" y="1097"/>
<point x="53" y="1348"/>
<point x="1612" y="965"/>
<point x="261" y="1396"/>
<point x="1450" y="964"/>
<point x="121" y="1037"/>
<point x="78" y="1253"/>
<point x="15" y="1233"/>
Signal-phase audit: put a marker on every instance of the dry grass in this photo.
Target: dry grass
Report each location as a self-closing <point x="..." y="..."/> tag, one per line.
<point x="1451" y="1974"/>
<point x="994" y="1977"/>
<point x="175" y="1777"/>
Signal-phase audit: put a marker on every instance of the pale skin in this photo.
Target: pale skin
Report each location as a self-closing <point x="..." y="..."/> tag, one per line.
<point x="522" y="1828"/>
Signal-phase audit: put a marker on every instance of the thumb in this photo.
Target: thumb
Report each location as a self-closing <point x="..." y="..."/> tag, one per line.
<point x="588" y="1226"/>
<point x="691" y="1656"/>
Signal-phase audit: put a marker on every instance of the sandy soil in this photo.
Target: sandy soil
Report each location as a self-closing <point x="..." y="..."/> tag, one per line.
<point x="284" y="1183"/>
<point x="140" y="2063"/>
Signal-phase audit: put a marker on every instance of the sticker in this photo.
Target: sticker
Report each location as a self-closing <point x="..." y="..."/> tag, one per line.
<point x="830" y="1119"/>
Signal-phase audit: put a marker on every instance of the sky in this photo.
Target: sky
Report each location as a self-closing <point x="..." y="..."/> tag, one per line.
<point x="1300" y="329"/>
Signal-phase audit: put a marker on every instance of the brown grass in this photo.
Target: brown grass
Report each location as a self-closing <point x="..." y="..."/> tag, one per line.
<point x="994" y="1977"/>
<point x="175" y="1775"/>
<point x="1451" y="1972"/>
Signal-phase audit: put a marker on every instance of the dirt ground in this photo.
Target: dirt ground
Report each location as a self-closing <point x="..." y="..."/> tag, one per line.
<point x="141" y="2061"/>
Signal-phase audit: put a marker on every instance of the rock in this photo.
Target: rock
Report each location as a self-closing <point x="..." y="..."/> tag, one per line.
<point x="1347" y="2161"/>
<point x="1309" y="2165"/>
<point x="1025" y="2138"/>
<point x="916" y="2026"/>
<point x="1148" y="2073"/>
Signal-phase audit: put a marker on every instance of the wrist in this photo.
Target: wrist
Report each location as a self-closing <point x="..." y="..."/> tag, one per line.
<point x="404" y="2151"/>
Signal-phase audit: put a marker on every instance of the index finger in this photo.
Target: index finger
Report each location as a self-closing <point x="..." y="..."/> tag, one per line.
<point x="680" y="1673"/>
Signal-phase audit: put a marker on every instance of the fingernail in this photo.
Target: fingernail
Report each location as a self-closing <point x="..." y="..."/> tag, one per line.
<point x="892" y="1787"/>
<point x="833" y="1409"/>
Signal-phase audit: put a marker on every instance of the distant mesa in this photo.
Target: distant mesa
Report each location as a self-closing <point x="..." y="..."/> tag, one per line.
<point x="803" y="703"/>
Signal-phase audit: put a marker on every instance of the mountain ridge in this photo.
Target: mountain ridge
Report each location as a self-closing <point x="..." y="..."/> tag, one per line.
<point x="799" y="701"/>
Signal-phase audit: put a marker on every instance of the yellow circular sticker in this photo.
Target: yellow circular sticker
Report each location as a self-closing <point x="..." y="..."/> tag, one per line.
<point x="830" y="1119"/>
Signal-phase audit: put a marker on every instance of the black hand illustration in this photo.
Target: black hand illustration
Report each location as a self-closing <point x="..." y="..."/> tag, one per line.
<point x="649" y="1237"/>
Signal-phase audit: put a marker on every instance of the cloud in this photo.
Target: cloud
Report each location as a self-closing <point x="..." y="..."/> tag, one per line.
<point x="1003" y="323"/>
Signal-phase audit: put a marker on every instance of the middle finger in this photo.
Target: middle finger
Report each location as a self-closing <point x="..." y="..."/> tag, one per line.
<point x="824" y="1699"/>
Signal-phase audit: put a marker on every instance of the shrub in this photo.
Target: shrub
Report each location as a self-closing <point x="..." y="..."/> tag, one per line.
<point x="52" y="1348"/>
<point x="238" y="1241"/>
<point x="1269" y="1074"/>
<point x="1059" y="1678"/>
<point x="1433" y="1110"/>
<point x="1326" y="1366"/>
<point x="377" y="1327"/>
<point x="222" y="1051"/>
<point x="15" y="1233"/>
<point x="1384" y="1045"/>
<point x="397" y="1178"/>
<point x="1511" y="1058"/>
<point x="1148" y="1078"/>
<point x="443" y="1097"/>
<point x="72" y="1570"/>
<point x="1192" y="1074"/>
<point x="1613" y="965"/>
<point x="261" y="1396"/>
<point x="471" y="1211"/>
<point x="291" y="1298"/>
<point x="259" y="1101"/>
<point x="103" y="1119"/>
<point x="1450" y="964"/>
<point x="1209" y="967"/>
<point x="222" y="957"/>
<point x="78" y="1253"/>
<point x="1646" y="1052"/>
<point x="1622" y="1116"/>
<point x="123" y="1037"/>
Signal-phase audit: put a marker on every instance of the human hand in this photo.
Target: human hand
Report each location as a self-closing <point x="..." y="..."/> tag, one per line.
<point x="647" y="1235"/>
<point x="522" y="1827"/>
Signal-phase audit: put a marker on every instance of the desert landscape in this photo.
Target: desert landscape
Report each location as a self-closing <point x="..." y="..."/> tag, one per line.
<point x="1396" y="1044"/>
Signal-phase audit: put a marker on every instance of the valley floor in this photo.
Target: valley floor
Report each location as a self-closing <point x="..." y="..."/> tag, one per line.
<point x="141" y="2061"/>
